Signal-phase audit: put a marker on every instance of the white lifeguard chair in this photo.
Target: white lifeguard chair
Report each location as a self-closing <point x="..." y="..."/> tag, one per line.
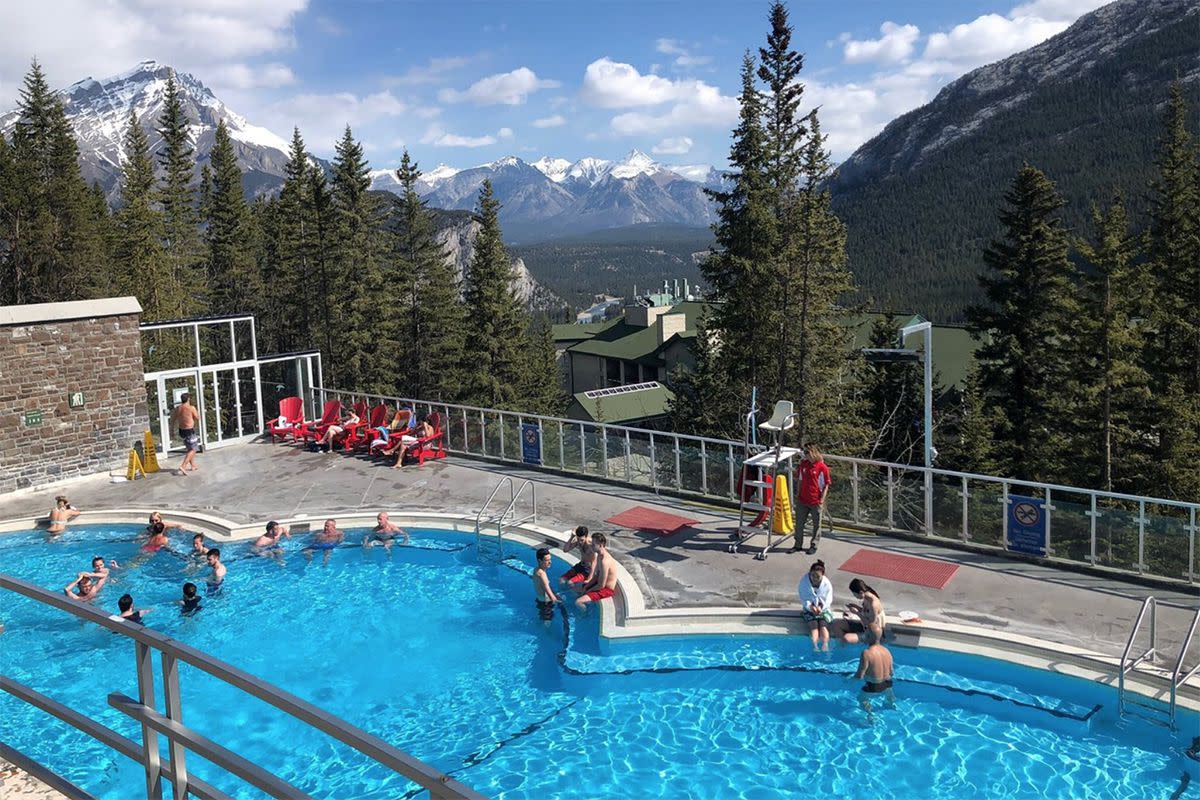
<point x="783" y="418"/>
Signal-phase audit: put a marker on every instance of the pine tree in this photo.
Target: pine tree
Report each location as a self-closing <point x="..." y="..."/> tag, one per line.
<point x="365" y="349"/>
<point x="700" y="390"/>
<point x="496" y="323"/>
<point x="1111" y="389"/>
<point x="894" y="396"/>
<point x="967" y="441"/>
<point x="142" y="268"/>
<point x="1173" y="352"/>
<point x="432" y="325"/>
<point x="1023" y="360"/>
<point x="182" y="242"/>
<point x="295" y="243"/>
<point x="323" y="240"/>
<point x="233" y="280"/>
<point x="541" y="389"/>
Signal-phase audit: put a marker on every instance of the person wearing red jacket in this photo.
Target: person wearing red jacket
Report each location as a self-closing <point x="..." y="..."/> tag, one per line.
<point x="813" y="475"/>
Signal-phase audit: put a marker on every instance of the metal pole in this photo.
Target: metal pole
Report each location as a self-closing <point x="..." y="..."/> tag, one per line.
<point x="503" y="456"/>
<point x="703" y="464"/>
<point x="653" y="463"/>
<point x="582" y="450"/>
<point x="1049" y="508"/>
<point x="1093" y="514"/>
<point x="966" y="511"/>
<point x="174" y="712"/>
<point x="732" y="480"/>
<point x="928" y="335"/>
<point x="854" y="510"/>
<point x="1141" y="565"/>
<point x="482" y="433"/>
<point x="891" y="500"/>
<point x="562" y="450"/>
<point x="628" y="459"/>
<point x="1192" y="548"/>
<point x="145" y="679"/>
<point x="1004" y="514"/>
<point x="678" y="474"/>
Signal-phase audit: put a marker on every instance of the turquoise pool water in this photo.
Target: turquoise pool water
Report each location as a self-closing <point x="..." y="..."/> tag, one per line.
<point x="443" y="655"/>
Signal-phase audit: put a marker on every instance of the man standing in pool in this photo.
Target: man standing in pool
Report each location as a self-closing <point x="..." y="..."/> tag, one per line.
<point x="875" y="666"/>
<point x="603" y="583"/>
<point x="546" y="598"/>
<point x="274" y="532"/>
<point x="329" y="538"/>
<point x="384" y="532"/>
<point x="85" y="588"/>
<point x="579" y="574"/>
<point x="213" y="585"/>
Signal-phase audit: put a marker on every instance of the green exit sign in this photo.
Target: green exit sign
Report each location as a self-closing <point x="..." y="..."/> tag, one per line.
<point x="33" y="418"/>
<point x="75" y="400"/>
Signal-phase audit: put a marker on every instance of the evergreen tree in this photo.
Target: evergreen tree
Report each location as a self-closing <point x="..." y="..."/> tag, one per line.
<point x="1110" y="391"/>
<point x="182" y="244"/>
<point x="233" y="279"/>
<point x="1173" y="352"/>
<point x="700" y="391"/>
<point x="365" y="349"/>
<point x="894" y="397"/>
<point x="967" y="441"/>
<point x="294" y="244"/>
<point x="541" y="388"/>
<point x="142" y="269"/>
<point x="1023" y="360"/>
<point x="496" y="322"/>
<point x="322" y="223"/>
<point x="432" y="323"/>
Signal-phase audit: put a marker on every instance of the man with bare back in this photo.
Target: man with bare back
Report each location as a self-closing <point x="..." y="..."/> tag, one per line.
<point x="603" y="582"/>
<point x="875" y="667"/>
<point x="184" y="419"/>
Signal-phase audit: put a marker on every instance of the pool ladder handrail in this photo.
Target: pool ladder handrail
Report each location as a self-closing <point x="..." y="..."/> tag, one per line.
<point x="181" y="739"/>
<point x="1177" y="679"/>
<point x="507" y="516"/>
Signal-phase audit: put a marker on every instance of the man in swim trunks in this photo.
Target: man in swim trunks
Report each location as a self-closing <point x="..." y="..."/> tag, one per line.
<point x="85" y="588"/>
<point x="274" y="533"/>
<point x="213" y="586"/>
<point x="329" y="538"/>
<point x="603" y="583"/>
<point x="545" y="596"/>
<point x="384" y="532"/>
<point x="579" y="574"/>
<point x="184" y="419"/>
<point x="62" y="513"/>
<point x="125" y="604"/>
<point x="875" y="666"/>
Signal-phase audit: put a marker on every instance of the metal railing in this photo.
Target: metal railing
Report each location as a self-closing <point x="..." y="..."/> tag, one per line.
<point x="1150" y="653"/>
<point x="181" y="739"/>
<point x="1178" y="676"/>
<point x="1128" y="533"/>
<point x="506" y="517"/>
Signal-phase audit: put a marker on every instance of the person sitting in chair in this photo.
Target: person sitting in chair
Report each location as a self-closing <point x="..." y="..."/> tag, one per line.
<point x="423" y="430"/>
<point x="337" y="430"/>
<point x="400" y="422"/>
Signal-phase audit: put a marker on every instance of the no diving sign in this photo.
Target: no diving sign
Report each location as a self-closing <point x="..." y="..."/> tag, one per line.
<point x="1026" y="525"/>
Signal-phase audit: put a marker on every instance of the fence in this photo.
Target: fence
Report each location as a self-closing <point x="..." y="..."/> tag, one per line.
<point x="182" y="740"/>
<point x="1131" y="534"/>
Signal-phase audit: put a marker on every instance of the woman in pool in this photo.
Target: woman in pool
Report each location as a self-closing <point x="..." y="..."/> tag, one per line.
<point x="870" y="615"/>
<point x="157" y="521"/>
<point x="62" y="513"/>
<point x="158" y="538"/>
<point x="816" y="597"/>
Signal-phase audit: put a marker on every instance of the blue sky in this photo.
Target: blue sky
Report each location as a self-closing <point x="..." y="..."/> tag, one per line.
<point x="468" y="82"/>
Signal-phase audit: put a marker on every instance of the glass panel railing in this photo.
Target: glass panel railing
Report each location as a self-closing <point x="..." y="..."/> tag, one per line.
<point x="1071" y="526"/>
<point x="573" y="442"/>
<point x="908" y="500"/>
<point x="1116" y="535"/>
<point x="947" y="507"/>
<point x="593" y="450"/>
<point x="1167" y="542"/>
<point x="873" y="495"/>
<point x="641" y="467"/>
<point x="692" y="464"/>
<point x="985" y="513"/>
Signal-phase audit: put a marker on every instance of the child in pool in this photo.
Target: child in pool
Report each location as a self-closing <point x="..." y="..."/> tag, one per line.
<point x="545" y="596"/>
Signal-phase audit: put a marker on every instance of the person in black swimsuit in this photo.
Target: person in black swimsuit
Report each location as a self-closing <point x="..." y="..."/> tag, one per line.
<point x="125" y="604"/>
<point x="191" y="600"/>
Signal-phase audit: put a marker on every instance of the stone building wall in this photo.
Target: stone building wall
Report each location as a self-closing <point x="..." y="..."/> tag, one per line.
<point x="49" y="352"/>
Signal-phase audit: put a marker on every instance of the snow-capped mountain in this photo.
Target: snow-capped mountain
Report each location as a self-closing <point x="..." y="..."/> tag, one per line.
<point x="386" y="180"/>
<point x="99" y="110"/>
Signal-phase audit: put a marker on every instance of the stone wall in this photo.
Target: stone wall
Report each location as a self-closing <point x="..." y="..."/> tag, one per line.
<point x="44" y="359"/>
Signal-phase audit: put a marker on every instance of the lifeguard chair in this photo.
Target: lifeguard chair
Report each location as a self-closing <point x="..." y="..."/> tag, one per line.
<point x="757" y="494"/>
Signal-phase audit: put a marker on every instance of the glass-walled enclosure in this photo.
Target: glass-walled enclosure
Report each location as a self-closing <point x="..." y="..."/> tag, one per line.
<point x="215" y="361"/>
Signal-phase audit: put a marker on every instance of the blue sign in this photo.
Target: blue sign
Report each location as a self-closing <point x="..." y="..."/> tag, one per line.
<point x="531" y="443"/>
<point x="1027" y="525"/>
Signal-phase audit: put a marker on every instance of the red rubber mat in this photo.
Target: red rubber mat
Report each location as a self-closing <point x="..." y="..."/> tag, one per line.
<point x="905" y="569"/>
<point x="647" y="519"/>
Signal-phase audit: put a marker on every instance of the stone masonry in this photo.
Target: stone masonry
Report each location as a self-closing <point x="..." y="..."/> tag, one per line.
<point x="49" y="352"/>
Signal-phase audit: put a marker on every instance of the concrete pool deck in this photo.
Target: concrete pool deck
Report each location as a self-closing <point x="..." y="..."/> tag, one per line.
<point x="251" y="483"/>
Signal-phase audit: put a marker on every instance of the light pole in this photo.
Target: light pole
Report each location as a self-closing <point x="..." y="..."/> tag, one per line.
<point x="883" y="356"/>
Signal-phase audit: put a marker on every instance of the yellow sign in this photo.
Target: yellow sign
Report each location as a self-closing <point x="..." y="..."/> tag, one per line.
<point x="782" y="520"/>
<point x="150" y="462"/>
<point x="135" y="466"/>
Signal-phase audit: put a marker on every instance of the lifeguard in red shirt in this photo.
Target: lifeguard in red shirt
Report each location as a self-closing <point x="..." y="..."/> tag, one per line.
<point x="813" y="475"/>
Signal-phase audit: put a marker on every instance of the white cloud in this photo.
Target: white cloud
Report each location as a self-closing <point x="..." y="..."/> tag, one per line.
<point x="683" y="55"/>
<point x="1057" y="10"/>
<point x="673" y="146"/>
<point x="244" y="76"/>
<point x="328" y="25"/>
<point x="323" y="117"/>
<point x="435" y="71"/>
<point x="670" y="47"/>
<point x="554" y="121"/>
<point x="504" y="133"/>
<point x="76" y="38"/>
<point x="894" y="46"/>
<point x="438" y="137"/>
<point x="988" y="38"/>
<point x="506" y="88"/>
<point x="612" y="84"/>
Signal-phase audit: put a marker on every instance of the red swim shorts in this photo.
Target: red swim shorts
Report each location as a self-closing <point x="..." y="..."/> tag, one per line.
<point x="600" y="594"/>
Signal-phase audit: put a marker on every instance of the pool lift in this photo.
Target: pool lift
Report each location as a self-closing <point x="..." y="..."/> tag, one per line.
<point x="758" y="493"/>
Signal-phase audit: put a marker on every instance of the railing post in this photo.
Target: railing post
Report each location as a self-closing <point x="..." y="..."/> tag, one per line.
<point x="678" y="473"/>
<point x="446" y="416"/>
<point x="1092" y="514"/>
<point x="1049" y="515"/>
<point x="1141" y="565"/>
<point x="174" y="712"/>
<point x="928" y="501"/>
<point x="703" y="463"/>
<point x="562" y="450"/>
<point x="891" y="501"/>
<point x="628" y="466"/>
<point x="854" y="511"/>
<point x="582" y="450"/>
<point x="503" y="455"/>
<point x="966" y="511"/>
<point x="1004" y="514"/>
<point x="466" y="435"/>
<point x="482" y="433"/>
<point x="150" y="760"/>
<point x="604" y="450"/>
<point x="1192" y="548"/>
<point x="732" y="480"/>
<point x="653" y="463"/>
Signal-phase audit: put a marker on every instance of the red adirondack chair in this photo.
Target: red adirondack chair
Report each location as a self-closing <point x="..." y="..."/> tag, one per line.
<point x="315" y="429"/>
<point x="361" y="433"/>
<point x="394" y="437"/>
<point x="432" y="446"/>
<point x="290" y="419"/>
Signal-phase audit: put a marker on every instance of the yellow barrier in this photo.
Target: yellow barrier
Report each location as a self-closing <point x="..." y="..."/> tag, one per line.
<point x="150" y="462"/>
<point x="782" y="520"/>
<point x="135" y="466"/>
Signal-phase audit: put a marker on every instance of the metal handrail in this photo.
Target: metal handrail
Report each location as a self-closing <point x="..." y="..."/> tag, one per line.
<point x="1176" y="679"/>
<point x="511" y="493"/>
<point x="1126" y="664"/>
<point x="440" y="785"/>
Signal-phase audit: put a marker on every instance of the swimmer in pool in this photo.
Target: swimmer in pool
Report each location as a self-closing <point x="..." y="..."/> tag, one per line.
<point x="100" y="569"/>
<point x="62" y="513"/>
<point x="199" y="549"/>
<point x="875" y="666"/>
<point x="125" y="604"/>
<point x="191" y="600"/>
<point x="85" y="588"/>
<point x="544" y="596"/>
<point x="158" y="538"/>
<point x="384" y="532"/>
<point x="274" y="533"/>
<point x="156" y="519"/>
<point x="329" y="538"/>
<point x="213" y="585"/>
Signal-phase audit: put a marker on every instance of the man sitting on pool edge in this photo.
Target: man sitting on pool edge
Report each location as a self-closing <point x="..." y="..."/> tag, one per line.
<point x="603" y="583"/>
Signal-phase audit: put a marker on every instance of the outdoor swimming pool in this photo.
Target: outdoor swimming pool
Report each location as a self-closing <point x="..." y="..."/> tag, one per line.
<point x="443" y="655"/>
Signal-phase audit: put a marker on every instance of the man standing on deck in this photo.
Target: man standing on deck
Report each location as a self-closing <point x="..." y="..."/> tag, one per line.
<point x="184" y="419"/>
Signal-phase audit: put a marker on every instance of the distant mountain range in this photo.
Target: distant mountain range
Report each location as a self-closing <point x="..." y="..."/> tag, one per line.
<point x="550" y="196"/>
<point x="920" y="200"/>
